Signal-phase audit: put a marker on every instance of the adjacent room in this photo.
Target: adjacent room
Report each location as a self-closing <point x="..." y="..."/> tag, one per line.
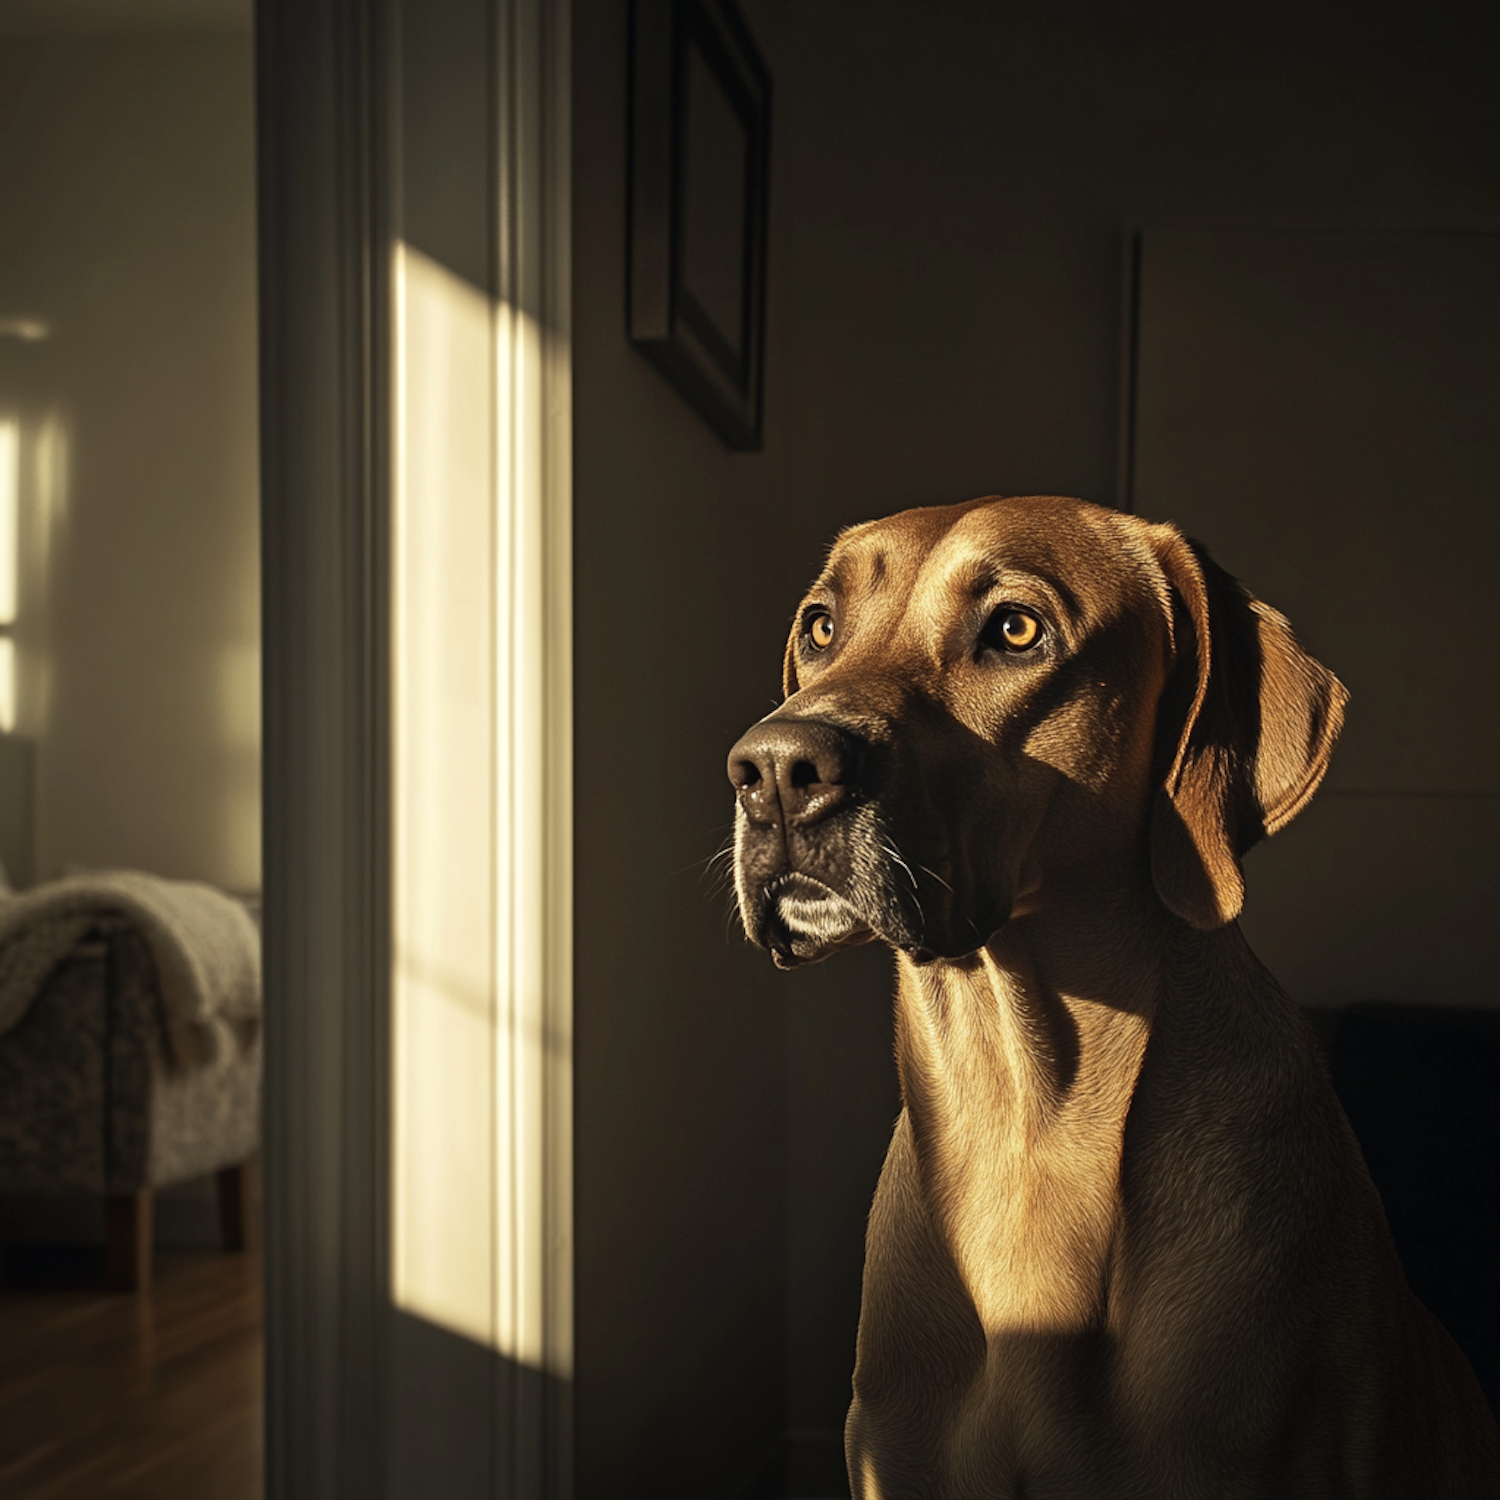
<point x="129" y="751"/>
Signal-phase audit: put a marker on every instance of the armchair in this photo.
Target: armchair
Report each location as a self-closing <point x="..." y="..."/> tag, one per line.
<point x="99" y="1097"/>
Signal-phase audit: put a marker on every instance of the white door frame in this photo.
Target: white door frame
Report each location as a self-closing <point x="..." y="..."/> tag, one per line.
<point x="328" y="74"/>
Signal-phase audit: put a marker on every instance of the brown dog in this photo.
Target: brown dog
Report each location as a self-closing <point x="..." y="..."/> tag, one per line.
<point x="1124" y="1243"/>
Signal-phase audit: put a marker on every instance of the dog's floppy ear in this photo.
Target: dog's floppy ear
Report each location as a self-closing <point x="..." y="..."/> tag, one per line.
<point x="1244" y="734"/>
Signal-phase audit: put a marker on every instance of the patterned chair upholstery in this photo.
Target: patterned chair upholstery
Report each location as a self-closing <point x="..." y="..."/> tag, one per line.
<point x="91" y="1102"/>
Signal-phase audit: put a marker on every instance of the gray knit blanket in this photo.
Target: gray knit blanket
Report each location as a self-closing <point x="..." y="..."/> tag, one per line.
<point x="205" y="946"/>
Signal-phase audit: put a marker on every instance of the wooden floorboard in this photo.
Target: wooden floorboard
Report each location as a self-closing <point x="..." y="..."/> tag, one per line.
<point x="109" y="1396"/>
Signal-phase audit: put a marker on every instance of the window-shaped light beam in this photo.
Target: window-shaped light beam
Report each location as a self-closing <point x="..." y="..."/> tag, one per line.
<point x="479" y="838"/>
<point x="10" y="517"/>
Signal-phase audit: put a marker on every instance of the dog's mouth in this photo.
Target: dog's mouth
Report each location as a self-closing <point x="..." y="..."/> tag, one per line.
<point x="802" y="920"/>
<point x="808" y="892"/>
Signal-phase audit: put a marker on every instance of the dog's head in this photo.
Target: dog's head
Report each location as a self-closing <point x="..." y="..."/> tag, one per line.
<point x="992" y="704"/>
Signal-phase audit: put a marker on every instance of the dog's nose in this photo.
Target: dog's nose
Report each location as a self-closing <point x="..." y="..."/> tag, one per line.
<point x="794" y="770"/>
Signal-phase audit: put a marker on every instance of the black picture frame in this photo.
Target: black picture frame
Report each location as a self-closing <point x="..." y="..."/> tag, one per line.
<point x="700" y="136"/>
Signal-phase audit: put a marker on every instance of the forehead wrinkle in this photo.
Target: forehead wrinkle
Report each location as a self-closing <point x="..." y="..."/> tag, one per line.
<point x="986" y="577"/>
<point x="1000" y="549"/>
<point x="935" y="551"/>
<point x="875" y="582"/>
<point x="863" y="568"/>
<point x="835" y="578"/>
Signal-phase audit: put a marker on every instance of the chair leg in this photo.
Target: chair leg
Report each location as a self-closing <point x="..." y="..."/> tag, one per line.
<point x="127" y="1242"/>
<point x="237" y="1206"/>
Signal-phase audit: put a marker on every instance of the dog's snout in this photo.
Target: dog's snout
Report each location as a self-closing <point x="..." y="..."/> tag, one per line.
<point x="794" y="770"/>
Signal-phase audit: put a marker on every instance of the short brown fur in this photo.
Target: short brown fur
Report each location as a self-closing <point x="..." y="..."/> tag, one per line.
<point x="1124" y="1243"/>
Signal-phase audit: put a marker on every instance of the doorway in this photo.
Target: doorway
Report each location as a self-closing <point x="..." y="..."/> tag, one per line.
<point x="129" y="692"/>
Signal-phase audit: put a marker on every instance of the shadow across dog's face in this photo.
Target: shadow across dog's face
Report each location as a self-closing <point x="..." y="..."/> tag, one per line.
<point x="998" y="707"/>
<point x="971" y="696"/>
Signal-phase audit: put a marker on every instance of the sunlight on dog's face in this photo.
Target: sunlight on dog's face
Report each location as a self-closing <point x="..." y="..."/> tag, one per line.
<point x="958" y="678"/>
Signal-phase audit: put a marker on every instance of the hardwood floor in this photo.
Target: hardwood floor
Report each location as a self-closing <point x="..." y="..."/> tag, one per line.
<point x="154" y="1397"/>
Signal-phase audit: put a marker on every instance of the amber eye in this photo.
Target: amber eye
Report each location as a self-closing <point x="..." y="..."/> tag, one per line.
<point x="820" y="630"/>
<point x="1016" y="630"/>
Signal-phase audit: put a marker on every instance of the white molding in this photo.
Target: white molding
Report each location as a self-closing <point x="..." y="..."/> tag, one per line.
<point x="324" y="748"/>
<point x="328" y="90"/>
<point x="534" y="1290"/>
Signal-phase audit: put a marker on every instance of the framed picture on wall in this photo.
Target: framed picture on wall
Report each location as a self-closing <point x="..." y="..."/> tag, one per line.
<point x="700" y="127"/>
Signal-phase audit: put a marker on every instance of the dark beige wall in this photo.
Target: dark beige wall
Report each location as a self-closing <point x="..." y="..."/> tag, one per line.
<point x="680" y="1063"/>
<point x="956" y="183"/>
<point x="953" y="186"/>
<point x="1322" y="406"/>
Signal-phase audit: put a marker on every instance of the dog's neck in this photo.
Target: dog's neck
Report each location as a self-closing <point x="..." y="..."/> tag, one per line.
<point x="1017" y="1070"/>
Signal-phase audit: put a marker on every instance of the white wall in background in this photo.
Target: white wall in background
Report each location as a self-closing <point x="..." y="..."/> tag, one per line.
<point x="127" y="232"/>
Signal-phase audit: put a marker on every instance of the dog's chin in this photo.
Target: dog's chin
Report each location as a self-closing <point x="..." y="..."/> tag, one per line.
<point x="804" y="921"/>
<point x="922" y="957"/>
<point x="929" y="947"/>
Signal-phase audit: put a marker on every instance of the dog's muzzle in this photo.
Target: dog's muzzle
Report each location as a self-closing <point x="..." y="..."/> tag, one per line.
<point x="792" y="778"/>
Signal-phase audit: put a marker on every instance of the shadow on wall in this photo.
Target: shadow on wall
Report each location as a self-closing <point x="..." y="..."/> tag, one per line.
<point x="457" y="1402"/>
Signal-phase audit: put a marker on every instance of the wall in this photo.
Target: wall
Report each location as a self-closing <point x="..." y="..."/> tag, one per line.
<point x="1322" y="405"/>
<point x="127" y="179"/>
<point x="679" y="1064"/>
<point x="956" y="193"/>
<point x="951" y="199"/>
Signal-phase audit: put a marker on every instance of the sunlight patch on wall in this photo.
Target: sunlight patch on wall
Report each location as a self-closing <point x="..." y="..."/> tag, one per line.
<point x="10" y="567"/>
<point x="51" y="480"/>
<point x="470" y="669"/>
<point x="7" y="685"/>
<point x="443" y="669"/>
<point x="28" y="330"/>
<point x="238" y="682"/>
<point x="10" y="517"/>
<point x="45" y="510"/>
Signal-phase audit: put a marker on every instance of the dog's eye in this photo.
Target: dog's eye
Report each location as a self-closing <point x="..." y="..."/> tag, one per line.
<point x="1012" y="630"/>
<point x="820" y="630"/>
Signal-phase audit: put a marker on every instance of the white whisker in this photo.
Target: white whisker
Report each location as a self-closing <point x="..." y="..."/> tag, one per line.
<point x="916" y="897"/>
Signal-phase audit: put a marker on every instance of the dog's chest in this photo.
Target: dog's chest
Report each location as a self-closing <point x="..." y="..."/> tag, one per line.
<point x="1031" y="1224"/>
<point x="1027" y="1243"/>
<point x="1020" y="1163"/>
